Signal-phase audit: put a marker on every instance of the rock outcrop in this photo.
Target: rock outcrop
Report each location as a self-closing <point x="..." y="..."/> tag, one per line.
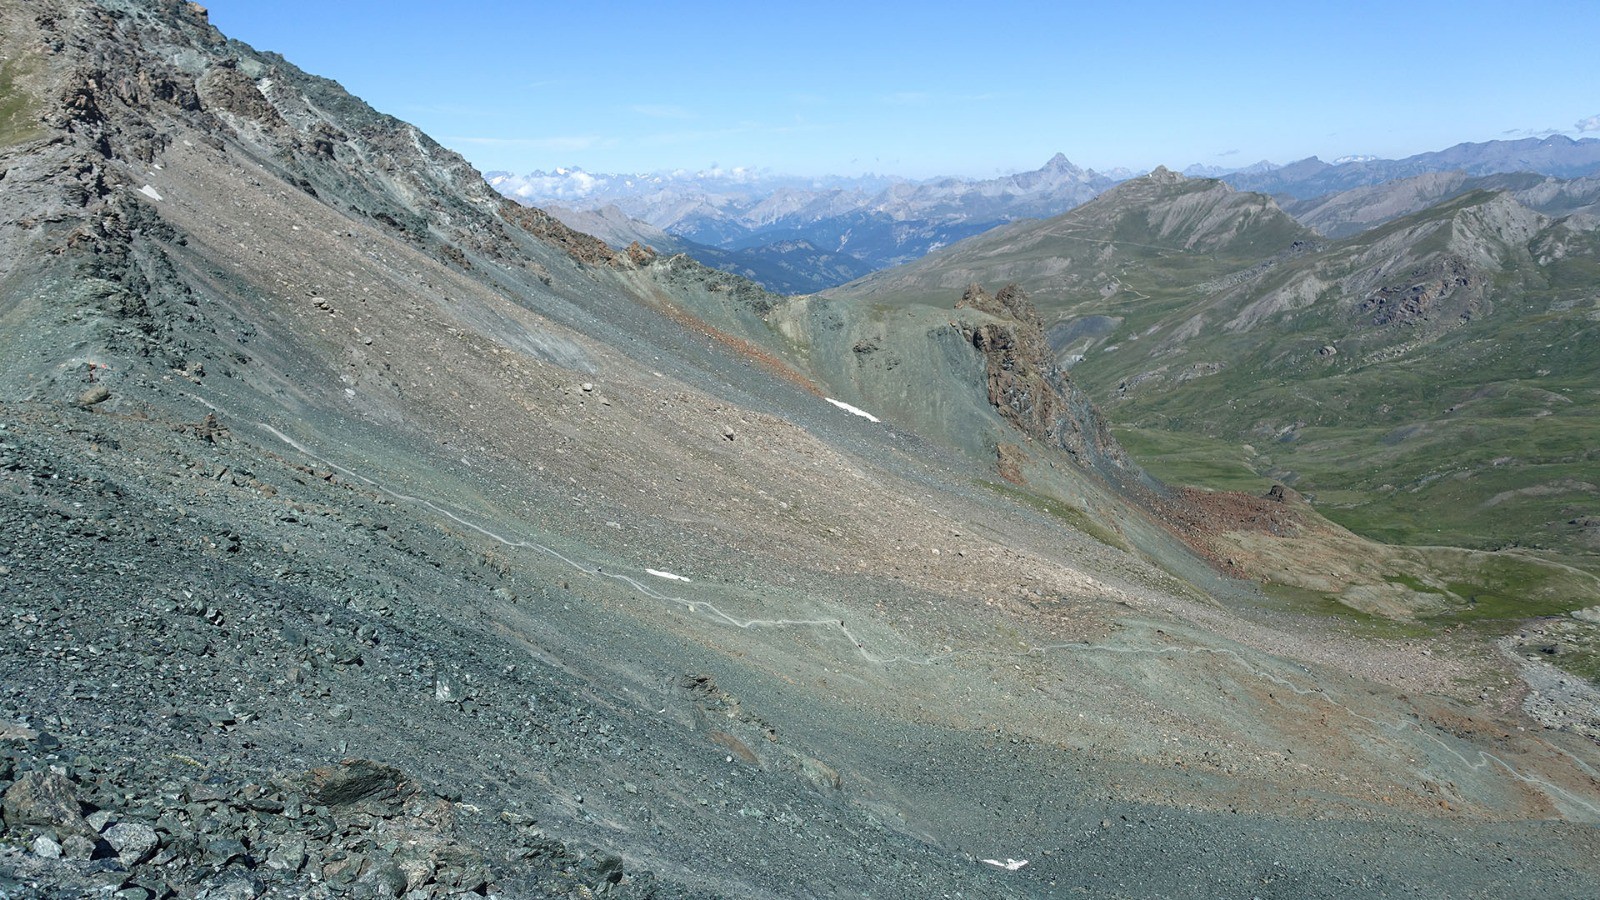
<point x="1026" y="385"/>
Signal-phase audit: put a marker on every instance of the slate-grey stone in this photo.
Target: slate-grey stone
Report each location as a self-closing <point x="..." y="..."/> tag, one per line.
<point x="44" y="799"/>
<point x="134" y="842"/>
<point x="234" y="884"/>
<point x="223" y="851"/>
<point x="46" y="847"/>
<point x="444" y="689"/>
<point x="78" y="846"/>
<point x="602" y="868"/>
<point x="344" y="871"/>
<point x="386" y="879"/>
<point x="288" y="856"/>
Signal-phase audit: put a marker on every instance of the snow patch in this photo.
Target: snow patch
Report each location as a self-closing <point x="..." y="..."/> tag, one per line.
<point x="1010" y="865"/>
<point x="667" y="575"/>
<point x="150" y="192"/>
<point x="853" y="410"/>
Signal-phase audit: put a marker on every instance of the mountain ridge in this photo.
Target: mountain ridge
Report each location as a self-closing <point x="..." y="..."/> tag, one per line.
<point x="1159" y="333"/>
<point x="1349" y="212"/>
<point x="1557" y="155"/>
<point x="374" y="535"/>
<point x="883" y="222"/>
<point x="875" y="225"/>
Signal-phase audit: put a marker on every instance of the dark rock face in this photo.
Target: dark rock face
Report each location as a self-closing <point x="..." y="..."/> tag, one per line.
<point x="225" y="88"/>
<point x="1447" y="290"/>
<point x="1027" y="387"/>
<point x="358" y="780"/>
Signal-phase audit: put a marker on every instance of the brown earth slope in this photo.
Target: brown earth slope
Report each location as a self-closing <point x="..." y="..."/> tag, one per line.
<point x="366" y="536"/>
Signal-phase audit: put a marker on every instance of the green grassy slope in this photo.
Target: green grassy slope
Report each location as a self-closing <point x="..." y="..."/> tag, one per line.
<point x="1435" y="380"/>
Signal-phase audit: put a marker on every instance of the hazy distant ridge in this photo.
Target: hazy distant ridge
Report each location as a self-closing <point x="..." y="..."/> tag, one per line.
<point x="855" y="224"/>
<point x="801" y="234"/>
<point x="1557" y="155"/>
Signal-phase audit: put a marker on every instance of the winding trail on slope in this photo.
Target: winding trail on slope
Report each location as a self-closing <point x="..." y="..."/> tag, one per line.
<point x="1572" y="802"/>
<point x="693" y="606"/>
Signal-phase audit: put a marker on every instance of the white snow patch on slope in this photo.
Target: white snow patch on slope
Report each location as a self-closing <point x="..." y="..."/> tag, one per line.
<point x="852" y="409"/>
<point x="667" y="575"/>
<point x="150" y="192"/>
<point x="1010" y="865"/>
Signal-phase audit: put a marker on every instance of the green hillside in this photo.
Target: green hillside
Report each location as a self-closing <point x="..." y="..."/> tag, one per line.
<point x="1435" y="380"/>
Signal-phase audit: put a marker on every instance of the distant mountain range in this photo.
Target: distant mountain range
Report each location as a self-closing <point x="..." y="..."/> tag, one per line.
<point x="800" y="235"/>
<point x="1556" y="155"/>
<point x="1353" y="211"/>
<point x="788" y="267"/>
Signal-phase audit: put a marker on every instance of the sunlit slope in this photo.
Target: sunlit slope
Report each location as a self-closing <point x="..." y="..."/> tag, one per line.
<point x="1429" y="381"/>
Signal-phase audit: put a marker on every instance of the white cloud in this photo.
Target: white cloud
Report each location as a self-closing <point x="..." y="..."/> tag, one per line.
<point x="1590" y="124"/>
<point x="562" y="184"/>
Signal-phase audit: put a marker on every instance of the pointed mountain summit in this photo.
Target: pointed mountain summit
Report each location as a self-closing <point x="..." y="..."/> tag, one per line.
<point x="853" y="227"/>
<point x="1057" y="171"/>
<point x="1179" y="230"/>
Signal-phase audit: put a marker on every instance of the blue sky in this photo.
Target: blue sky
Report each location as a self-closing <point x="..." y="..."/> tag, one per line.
<point x="931" y="88"/>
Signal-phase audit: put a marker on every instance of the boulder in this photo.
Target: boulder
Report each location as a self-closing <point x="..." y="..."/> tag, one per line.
<point x="44" y="800"/>
<point x="134" y="842"/>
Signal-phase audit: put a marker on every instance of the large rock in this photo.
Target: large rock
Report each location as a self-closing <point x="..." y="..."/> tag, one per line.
<point x="379" y="789"/>
<point x="94" y="395"/>
<point x="44" y="800"/>
<point x="134" y="842"/>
